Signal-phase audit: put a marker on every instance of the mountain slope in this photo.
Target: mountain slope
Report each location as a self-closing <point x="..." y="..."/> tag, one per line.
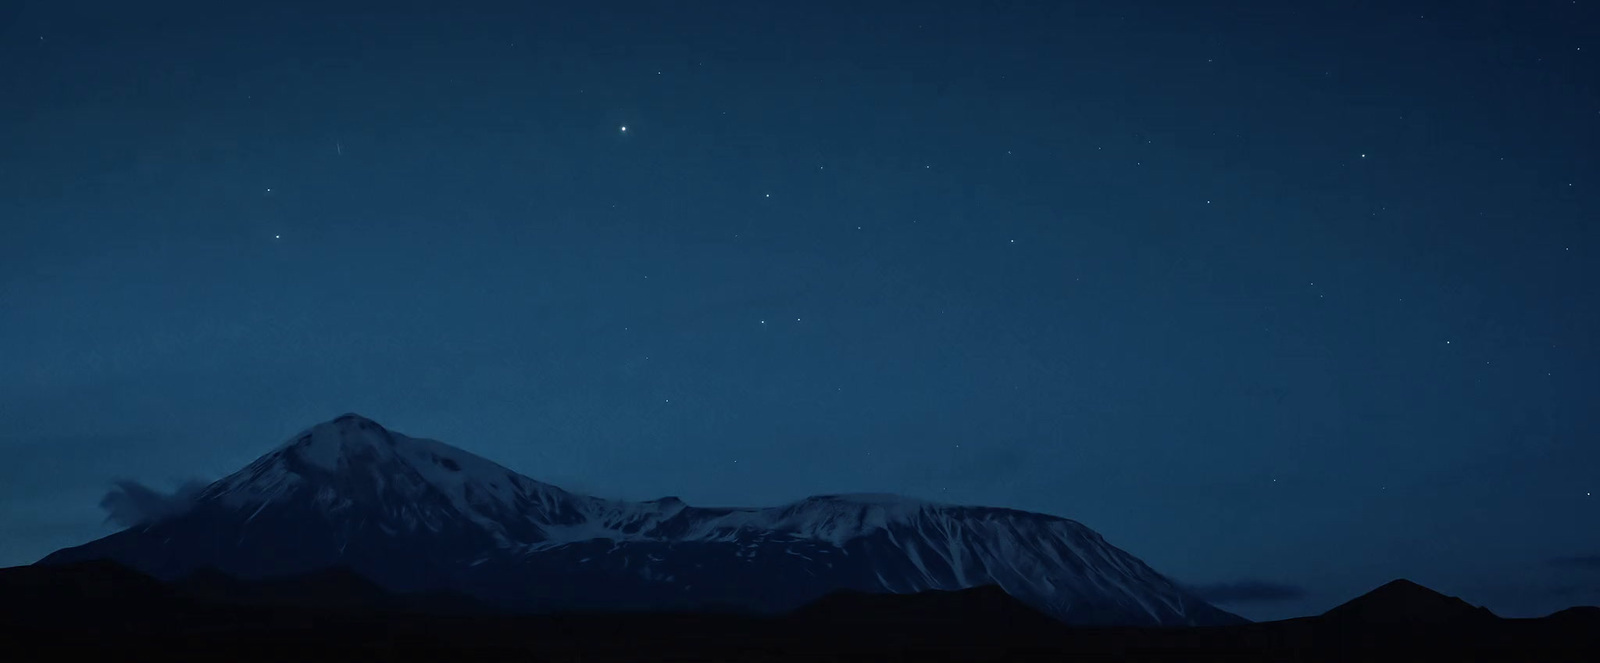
<point x="415" y="514"/>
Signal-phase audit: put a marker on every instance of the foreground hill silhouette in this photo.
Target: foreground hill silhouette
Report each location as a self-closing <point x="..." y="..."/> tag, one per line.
<point x="101" y="610"/>
<point x="1405" y="602"/>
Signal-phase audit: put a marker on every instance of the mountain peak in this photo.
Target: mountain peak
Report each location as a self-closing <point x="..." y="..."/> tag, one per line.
<point x="875" y="499"/>
<point x="401" y="482"/>
<point x="352" y="422"/>
<point x="1402" y="601"/>
<point x="352" y="418"/>
<point x="350" y="434"/>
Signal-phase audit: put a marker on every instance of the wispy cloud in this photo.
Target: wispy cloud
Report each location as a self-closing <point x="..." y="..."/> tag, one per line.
<point x="130" y="503"/>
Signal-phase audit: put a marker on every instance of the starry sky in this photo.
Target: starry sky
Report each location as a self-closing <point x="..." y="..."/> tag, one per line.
<point x="1287" y="299"/>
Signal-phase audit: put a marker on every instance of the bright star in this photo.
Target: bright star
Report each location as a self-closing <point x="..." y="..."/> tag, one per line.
<point x="624" y="128"/>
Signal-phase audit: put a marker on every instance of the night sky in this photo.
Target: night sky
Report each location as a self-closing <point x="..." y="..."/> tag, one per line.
<point x="1288" y="299"/>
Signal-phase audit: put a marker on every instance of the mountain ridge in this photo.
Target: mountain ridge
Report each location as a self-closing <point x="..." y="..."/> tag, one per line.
<point x="414" y="514"/>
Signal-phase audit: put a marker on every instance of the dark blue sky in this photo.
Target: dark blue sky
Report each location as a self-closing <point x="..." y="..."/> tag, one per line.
<point x="1295" y="295"/>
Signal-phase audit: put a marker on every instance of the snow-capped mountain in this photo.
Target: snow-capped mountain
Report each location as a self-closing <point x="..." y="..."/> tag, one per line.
<point x="415" y="514"/>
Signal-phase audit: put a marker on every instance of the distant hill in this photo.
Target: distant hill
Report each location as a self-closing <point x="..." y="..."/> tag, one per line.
<point x="1405" y="602"/>
<point x="1583" y="613"/>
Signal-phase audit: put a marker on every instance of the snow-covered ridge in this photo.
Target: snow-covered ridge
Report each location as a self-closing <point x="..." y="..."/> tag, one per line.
<point x="327" y="456"/>
<point x="421" y="514"/>
<point x="419" y="484"/>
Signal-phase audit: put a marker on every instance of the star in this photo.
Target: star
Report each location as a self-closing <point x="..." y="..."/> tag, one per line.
<point x="624" y="128"/>
<point x="277" y="236"/>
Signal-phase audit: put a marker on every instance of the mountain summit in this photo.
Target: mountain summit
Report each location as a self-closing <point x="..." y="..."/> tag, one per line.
<point x="1405" y="602"/>
<point x="415" y="514"/>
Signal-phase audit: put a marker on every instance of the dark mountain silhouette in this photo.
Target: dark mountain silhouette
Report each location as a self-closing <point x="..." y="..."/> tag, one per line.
<point x="1582" y="613"/>
<point x="337" y="588"/>
<point x="104" y="611"/>
<point x="90" y="599"/>
<point x="987" y="611"/>
<point x="1405" y="602"/>
<point x="93" y="580"/>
